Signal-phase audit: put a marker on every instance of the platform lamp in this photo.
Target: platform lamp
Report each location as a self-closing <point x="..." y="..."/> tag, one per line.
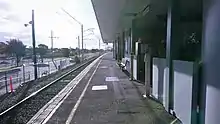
<point x="33" y="43"/>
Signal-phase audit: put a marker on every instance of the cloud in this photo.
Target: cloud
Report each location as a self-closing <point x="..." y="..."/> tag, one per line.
<point x="3" y="36"/>
<point x="11" y="17"/>
<point x="4" y="5"/>
<point x="15" y="13"/>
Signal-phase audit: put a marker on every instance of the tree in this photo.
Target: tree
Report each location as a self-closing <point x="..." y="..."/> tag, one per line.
<point x="66" y="52"/>
<point x="77" y="60"/>
<point x="16" y="48"/>
<point x="42" y="50"/>
<point x="3" y="48"/>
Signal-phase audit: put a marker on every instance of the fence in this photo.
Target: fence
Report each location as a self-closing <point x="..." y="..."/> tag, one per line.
<point x="11" y="81"/>
<point x="26" y="73"/>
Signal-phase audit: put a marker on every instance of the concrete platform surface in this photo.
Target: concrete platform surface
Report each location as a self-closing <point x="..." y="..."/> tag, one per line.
<point x="106" y="96"/>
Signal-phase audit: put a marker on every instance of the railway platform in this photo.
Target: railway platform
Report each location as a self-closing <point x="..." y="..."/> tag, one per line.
<point x="102" y="94"/>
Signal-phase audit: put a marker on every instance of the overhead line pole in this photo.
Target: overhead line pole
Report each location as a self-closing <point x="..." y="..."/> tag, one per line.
<point x="99" y="47"/>
<point x="52" y="37"/>
<point x="78" y="45"/>
<point x="34" y="45"/>
<point x="81" y="29"/>
<point x="82" y="42"/>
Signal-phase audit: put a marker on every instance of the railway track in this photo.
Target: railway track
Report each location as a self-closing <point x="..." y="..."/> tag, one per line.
<point x="24" y="110"/>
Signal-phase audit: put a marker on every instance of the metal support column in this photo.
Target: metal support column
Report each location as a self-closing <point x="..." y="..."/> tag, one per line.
<point x="123" y="45"/>
<point x="132" y="51"/>
<point x="114" y="49"/>
<point x="171" y="50"/>
<point x="118" y="49"/>
<point x="211" y="60"/>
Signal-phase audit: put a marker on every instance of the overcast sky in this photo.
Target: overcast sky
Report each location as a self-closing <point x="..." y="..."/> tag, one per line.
<point x="48" y="16"/>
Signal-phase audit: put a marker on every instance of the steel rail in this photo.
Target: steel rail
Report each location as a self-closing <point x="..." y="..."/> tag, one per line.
<point x="45" y="87"/>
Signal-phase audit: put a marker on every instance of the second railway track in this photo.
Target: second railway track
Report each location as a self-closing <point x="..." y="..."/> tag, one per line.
<point x="24" y="110"/>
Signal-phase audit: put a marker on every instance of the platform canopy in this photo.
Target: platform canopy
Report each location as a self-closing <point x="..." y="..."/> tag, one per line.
<point x="113" y="16"/>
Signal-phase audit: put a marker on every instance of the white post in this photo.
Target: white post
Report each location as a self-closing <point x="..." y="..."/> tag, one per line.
<point x="49" y="67"/>
<point x="23" y="73"/>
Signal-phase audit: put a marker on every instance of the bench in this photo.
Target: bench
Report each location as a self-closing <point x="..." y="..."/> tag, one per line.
<point x="45" y="73"/>
<point x="123" y="64"/>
